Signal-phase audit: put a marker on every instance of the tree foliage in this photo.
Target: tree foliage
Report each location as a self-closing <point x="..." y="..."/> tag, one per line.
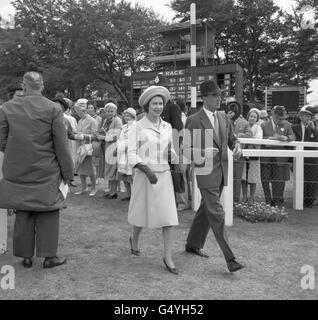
<point x="78" y="41"/>
<point x="267" y="42"/>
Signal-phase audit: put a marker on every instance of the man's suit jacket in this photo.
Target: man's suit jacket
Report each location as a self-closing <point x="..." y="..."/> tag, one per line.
<point x="199" y="135"/>
<point x="171" y="113"/>
<point x="311" y="135"/>
<point x="283" y="129"/>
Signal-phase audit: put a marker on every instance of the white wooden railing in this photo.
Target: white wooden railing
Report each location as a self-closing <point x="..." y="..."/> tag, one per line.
<point x="298" y="153"/>
<point x="3" y="220"/>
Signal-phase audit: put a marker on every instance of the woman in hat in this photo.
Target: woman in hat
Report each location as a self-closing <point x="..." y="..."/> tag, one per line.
<point x="91" y="110"/>
<point x="251" y="174"/>
<point x="87" y="127"/>
<point x="71" y="127"/>
<point x="124" y="170"/>
<point x="152" y="202"/>
<point x="109" y="134"/>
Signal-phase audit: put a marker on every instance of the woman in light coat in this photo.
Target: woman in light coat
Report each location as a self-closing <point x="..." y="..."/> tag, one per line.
<point x="152" y="202"/>
<point x="109" y="134"/>
<point x="87" y="127"/>
<point x="124" y="169"/>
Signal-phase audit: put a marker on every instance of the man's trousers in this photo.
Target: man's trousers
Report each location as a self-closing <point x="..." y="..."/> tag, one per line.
<point x="38" y="230"/>
<point x="210" y="215"/>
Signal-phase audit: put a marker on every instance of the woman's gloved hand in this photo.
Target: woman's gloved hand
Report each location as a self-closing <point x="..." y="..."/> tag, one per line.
<point x="148" y="172"/>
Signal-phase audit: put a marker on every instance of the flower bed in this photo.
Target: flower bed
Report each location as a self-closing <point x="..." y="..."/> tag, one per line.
<point x="260" y="212"/>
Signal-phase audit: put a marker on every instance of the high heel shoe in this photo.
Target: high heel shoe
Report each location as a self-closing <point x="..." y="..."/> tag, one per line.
<point x="172" y="270"/>
<point x="133" y="251"/>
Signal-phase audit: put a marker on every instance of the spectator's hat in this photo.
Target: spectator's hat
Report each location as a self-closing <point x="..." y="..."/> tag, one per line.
<point x="131" y="111"/>
<point x="209" y="87"/>
<point x="62" y="102"/>
<point x="69" y="102"/>
<point x="81" y="104"/>
<point x="263" y="114"/>
<point x="153" y="91"/>
<point x="306" y="109"/>
<point x="110" y="105"/>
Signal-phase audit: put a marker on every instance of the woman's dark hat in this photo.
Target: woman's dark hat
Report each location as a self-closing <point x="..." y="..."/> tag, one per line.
<point x="62" y="102"/>
<point x="209" y="87"/>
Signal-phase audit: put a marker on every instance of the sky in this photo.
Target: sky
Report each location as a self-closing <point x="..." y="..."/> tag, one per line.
<point x="160" y="7"/>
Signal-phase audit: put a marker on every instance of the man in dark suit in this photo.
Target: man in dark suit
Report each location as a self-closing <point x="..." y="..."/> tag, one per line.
<point x="276" y="171"/>
<point x="306" y="131"/>
<point x="208" y="135"/>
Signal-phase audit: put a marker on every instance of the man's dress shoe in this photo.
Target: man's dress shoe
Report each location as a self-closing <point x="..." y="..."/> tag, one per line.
<point x="53" y="262"/>
<point x="234" y="266"/>
<point x="196" y="251"/>
<point x="27" y="262"/>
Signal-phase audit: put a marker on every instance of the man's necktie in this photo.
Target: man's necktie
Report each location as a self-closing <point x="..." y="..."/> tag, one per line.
<point x="216" y="127"/>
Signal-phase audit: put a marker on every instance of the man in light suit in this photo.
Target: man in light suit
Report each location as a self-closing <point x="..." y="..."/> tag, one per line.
<point x="276" y="171"/>
<point x="208" y="135"/>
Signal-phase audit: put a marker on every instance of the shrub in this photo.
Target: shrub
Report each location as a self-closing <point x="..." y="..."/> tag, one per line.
<point x="260" y="212"/>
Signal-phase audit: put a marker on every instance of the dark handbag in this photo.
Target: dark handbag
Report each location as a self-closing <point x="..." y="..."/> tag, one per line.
<point x="177" y="178"/>
<point x="176" y="174"/>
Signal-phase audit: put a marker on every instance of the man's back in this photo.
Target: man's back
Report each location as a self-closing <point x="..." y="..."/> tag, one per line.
<point x="29" y="145"/>
<point x="36" y="156"/>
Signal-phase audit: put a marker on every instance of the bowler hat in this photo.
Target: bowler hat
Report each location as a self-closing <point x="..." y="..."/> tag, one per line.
<point x="209" y="87"/>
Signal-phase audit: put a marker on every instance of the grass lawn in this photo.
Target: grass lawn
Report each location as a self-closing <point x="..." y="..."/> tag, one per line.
<point x="94" y="237"/>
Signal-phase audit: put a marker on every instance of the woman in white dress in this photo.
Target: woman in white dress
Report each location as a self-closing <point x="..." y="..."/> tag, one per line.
<point x="152" y="202"/>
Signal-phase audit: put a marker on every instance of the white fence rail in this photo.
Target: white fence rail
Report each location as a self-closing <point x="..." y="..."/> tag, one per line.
<point x="298" y="153"/>
<point x="3" y="220"/>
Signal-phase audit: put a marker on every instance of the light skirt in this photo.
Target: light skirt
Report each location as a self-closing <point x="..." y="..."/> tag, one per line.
<point x="254" y="171"/>
<point x="152" y="205"/>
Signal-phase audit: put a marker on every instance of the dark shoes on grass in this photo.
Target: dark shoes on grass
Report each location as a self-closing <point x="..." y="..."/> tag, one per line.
<point x="234" y="266"/>
<point x="48" y="262"/>
<point x="196" y="251"/>
<point x="27" y="262"/>
<point x="53" y="262"/>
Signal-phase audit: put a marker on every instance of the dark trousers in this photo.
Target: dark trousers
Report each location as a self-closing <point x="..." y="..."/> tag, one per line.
<point x="209" y="215"/>
<point x="38" y="230"/>
<point x="270" y="173"/>
<point x="237" y="178"/>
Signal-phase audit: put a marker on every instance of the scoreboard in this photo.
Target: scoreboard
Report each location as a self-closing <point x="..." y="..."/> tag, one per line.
<point x="229" y="78"/>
